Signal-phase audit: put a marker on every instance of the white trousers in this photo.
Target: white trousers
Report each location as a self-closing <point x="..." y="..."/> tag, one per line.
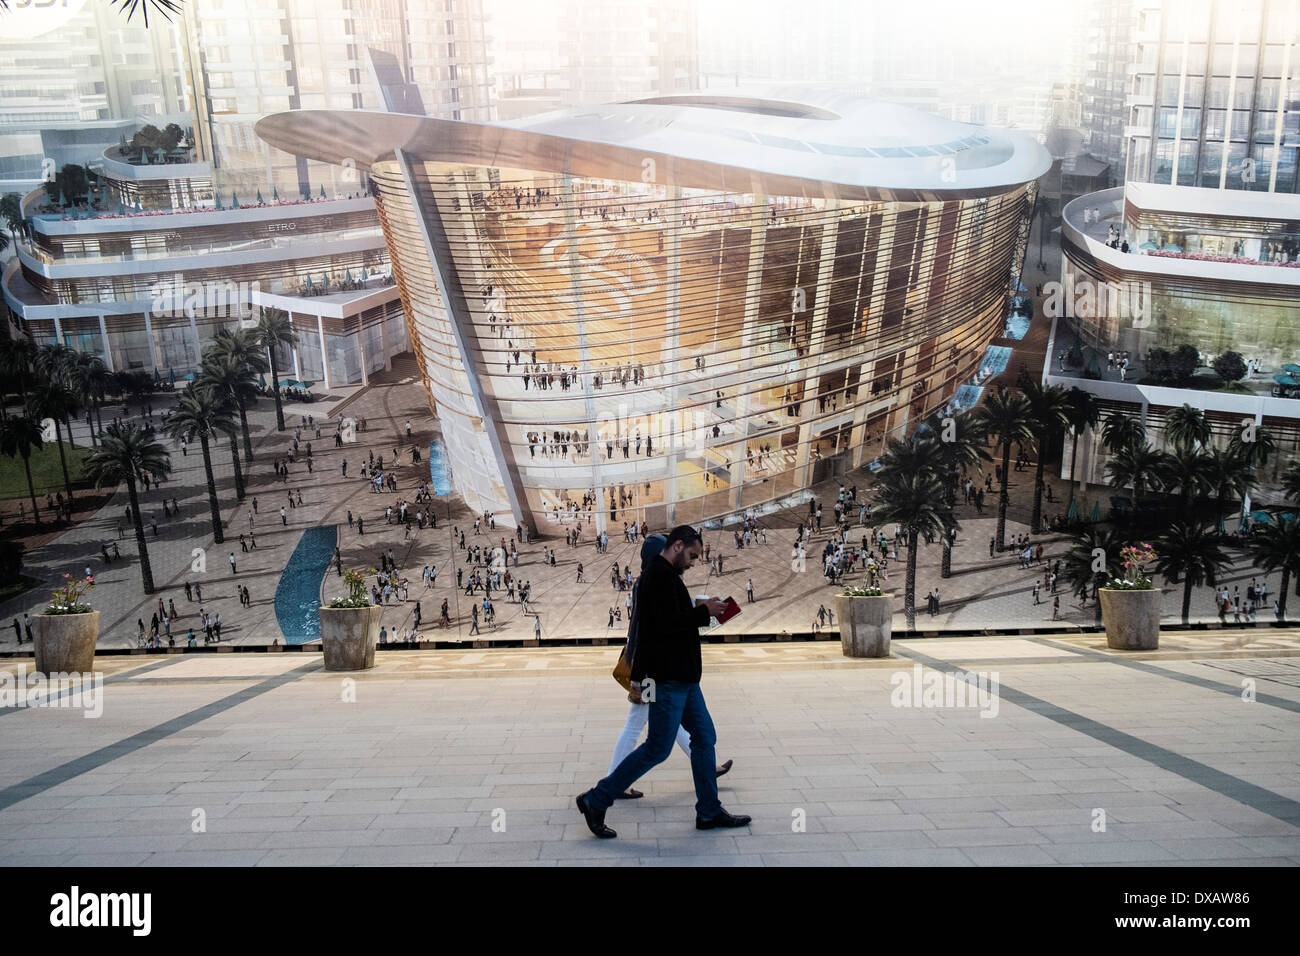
<point x="638" y="718"/>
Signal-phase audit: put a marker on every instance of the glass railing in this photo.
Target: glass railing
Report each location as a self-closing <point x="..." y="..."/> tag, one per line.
<point x="246" y="245"/>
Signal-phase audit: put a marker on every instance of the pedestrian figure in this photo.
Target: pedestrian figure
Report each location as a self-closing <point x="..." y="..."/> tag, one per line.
<point x="666" y="670"/>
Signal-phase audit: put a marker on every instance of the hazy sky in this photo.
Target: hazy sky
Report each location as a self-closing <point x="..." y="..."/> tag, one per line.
<point x="988" y="37"/>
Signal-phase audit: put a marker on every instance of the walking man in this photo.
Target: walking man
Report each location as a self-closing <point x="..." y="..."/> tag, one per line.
<point x="749" y="590"/>
<point x="667" y="670"/>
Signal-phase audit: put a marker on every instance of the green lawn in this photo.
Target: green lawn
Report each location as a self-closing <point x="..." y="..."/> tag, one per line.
<point x="47" y="475"/>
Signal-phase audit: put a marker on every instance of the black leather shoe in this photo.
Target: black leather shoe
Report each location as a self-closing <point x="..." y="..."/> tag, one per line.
<point x="630" y="794"/>
<point x="723" y="819"/>
<point x="724" y="768"/>
<point x="595" y="820"/>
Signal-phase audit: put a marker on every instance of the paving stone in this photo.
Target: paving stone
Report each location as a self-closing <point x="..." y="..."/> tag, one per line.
<point x="416" y="775"/>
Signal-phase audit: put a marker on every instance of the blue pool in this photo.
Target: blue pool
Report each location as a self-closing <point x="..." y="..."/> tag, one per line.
<point x="1017" y="326"/>
<point x="966" y="397"/>
<point x="994" y="363"/>
<point x="439" y="476"/>
<point x="297" y="597"/>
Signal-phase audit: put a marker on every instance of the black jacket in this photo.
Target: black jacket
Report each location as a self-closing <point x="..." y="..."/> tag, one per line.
<point x="668" y="627"/>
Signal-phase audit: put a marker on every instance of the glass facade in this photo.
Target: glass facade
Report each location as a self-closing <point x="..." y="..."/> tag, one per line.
<point x="674" y="355"/>
<point x="1224" y="73"/>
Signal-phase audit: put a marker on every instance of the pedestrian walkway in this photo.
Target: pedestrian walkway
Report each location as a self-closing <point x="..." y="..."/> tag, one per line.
<point x="1079" y="755"/>
<point x="984" y="591"/>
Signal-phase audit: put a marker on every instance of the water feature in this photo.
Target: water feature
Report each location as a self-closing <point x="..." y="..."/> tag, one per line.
<point x="439" y="475"/>
<point x="994" y="362"/>
<point x="966" y="397"/>
<point x="1017" y="326"/>
<point x="297" y="596"/>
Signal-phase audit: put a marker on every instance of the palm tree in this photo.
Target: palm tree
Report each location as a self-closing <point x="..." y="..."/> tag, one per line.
<point x="1005" y="418"/>
<point x="908" y="455"/>
<point x="11" y="211"/>
<point x="1256" y="449"/>
<point x="1291" y="481"/>
<point x="19" y="436"/>
<point x="1050" y="408"/>
<point x="1122" y="431"/>
<point x="124" y="453"/>
<point x="1188" y="474"/>
<point x="274" y="329"/>
<point x="92" y="380"/>
<point x="1093" y="558"/>
<point x="228" y="411"/>
<point x="1256" y="445"/>
<point x="1141" y="466"/>
<point x="200" y="414"/>
<point x="915" y="501"/>
<point x="1276" y="547"/>
<point x="1188" y="551"/>
<point x="1084" y="413"/>
<point x="1227" y="473"/>
<point x="57" y="403"/>
<point x="242" y="344"/>
<point x="57" y="363"/>
<point x="1187" y="427"/>
<point x="959" y="444"/>
<point x="228" y="375"/>
<point x="15" y="365"/>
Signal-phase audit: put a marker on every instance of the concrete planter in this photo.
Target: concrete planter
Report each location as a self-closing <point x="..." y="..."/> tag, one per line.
<point x="865" y="624"/>
<point x="65" y="643"/>
<point x="349" y="635"/>
<point x="1132" y="618"/>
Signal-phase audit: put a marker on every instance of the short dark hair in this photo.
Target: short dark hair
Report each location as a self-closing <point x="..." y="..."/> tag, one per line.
<point x="684" y="533"/>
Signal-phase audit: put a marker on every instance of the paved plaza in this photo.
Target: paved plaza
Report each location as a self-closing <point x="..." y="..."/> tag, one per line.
<point x="474" y="757"/>
<point x="983" y="592"/>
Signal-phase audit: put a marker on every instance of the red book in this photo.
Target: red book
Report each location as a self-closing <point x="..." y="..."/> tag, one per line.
<point x="731" y="610"/>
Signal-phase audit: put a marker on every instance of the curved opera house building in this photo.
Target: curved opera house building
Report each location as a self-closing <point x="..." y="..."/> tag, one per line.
<point x="681" y="308"/>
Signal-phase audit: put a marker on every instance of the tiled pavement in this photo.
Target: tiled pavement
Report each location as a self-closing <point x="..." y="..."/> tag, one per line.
<point x="439" y="746"/>
<point x="983" y="592"/>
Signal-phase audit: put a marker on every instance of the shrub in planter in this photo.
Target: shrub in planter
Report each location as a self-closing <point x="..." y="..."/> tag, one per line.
<point x="866" y="621"/>
<point x="64" y="635"/>
<point x="349" y="627"/>
<point x="1131" y="605"/>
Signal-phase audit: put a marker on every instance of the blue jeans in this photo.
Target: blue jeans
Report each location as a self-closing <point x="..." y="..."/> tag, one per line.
<point x="675" y="705"/>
